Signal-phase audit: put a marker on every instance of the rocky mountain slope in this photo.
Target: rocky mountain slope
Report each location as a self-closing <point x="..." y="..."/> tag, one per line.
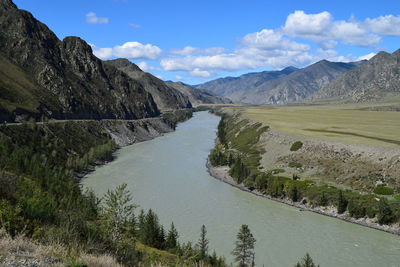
<point x="374" y="80"/>
<point x="41" y="75"/>
<point x="165" y="96"/>
<point x="199" y="96"/>
<point x="288" y="85"/>
<point x="235" y="87"/>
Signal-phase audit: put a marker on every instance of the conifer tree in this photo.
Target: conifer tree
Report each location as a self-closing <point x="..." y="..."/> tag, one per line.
<point x="172" y="238"/>
<point x="203" y="242"/>
<point x="244" y="249"/>
<point x="342" y="203"/>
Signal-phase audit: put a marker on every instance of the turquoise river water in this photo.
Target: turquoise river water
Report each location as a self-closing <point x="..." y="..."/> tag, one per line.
<point x="169" y="175"/>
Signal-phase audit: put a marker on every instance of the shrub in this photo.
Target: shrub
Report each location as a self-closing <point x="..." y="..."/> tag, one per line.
<point x="296" y="146"/>
<point x="383" y="190"/>
<point x="295" y="165"/>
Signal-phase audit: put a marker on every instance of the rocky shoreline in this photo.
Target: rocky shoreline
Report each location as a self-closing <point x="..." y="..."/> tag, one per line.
<point x="221" y="173"/>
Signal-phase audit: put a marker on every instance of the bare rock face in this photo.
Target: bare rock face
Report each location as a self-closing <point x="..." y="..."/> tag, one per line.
<point x="62" y="79"/>
<point x="165" y="96"/>
<point x="377" y="78"/>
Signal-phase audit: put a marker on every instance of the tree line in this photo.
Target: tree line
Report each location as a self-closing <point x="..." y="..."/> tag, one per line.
<point x="237" y="148"/>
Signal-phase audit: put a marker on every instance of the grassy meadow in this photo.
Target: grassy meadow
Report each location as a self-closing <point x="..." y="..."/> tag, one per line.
<point x="369" y="124"/>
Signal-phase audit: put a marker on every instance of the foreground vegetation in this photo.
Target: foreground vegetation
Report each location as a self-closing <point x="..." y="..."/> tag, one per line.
<point x="40" y="200"/>
<point x="238" y="148"/>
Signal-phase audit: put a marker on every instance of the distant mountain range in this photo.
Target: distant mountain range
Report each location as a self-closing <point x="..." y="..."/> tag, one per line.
<point x="279" y="87"/>
<point x="199" y="96"/>
<point x="42" y="76"/>
<point x="376" y="79"/>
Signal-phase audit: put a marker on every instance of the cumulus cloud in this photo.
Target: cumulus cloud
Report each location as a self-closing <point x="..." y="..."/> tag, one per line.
<point x="271" y="40"/>
<point x="321" y="27"/>
<point x="130" y="50"/>
<point x="190" y="50"/>
<point x="309" y="26"/>
<point x="145" y="66"/>
<point x="200" y="73"/>
<point x="92" y="18"/>
<point x="385" y="25"/>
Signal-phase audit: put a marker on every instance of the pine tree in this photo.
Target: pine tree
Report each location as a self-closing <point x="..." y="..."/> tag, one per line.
<point x="385" y="213"/>
<point x="244" y="249"/>
<point x="342" y="203"/>
<point x="203" y="242"/>
<point x="323" y="201"/>
<point x="172" y="238"/>
<point x="294" y="193"/>
<point x="307" y="261"/>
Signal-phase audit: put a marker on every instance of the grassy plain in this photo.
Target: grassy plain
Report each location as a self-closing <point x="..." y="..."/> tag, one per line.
<point x="367" y="123"/>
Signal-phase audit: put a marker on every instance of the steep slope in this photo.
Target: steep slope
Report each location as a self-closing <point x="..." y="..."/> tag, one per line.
<point x="377" y="78"/>
<point x="279" y="87"/>
<point x="199" y="96"/>
<point x="43" y="76"/>
<point x="164" y="96"/>
<point x="234" y="87"/>
<point x="297" y="85"/>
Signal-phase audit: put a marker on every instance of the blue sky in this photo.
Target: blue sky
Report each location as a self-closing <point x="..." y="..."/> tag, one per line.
<point x="196" y="41"/>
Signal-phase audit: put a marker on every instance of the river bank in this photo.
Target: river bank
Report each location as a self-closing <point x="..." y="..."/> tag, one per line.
<point x="222" y="173"/>
<point x="125" y="133"/>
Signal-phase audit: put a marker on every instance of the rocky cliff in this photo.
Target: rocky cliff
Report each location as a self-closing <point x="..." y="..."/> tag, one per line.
<point x="165" y="96"/>
<point x="41" y="75"/>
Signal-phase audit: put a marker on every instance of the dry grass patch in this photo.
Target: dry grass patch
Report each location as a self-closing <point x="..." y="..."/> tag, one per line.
<point x="351" y="123"/>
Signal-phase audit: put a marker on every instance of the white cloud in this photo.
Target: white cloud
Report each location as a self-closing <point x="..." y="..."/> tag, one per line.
<point x="200" y="73"/>
<point x="353" y="34"/>
<point x="145" y="66"/>
<point x="309" y="26"/>
<point x="385" y="25"/>
<point x="367" y="56"/>
<point x="322" y="28"/>
<point x="92" y="18"/>
<point x="190" y="50"/>
<point x="270" y="40"/>
<point x="178" y="78"/>
<point x="130" y="50"/>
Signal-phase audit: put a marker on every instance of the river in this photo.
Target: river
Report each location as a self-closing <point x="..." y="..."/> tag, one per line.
<point x="169" y="175"/>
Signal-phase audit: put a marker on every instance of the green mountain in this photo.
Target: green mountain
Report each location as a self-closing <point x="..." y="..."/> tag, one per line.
<point x="41" y="75"/>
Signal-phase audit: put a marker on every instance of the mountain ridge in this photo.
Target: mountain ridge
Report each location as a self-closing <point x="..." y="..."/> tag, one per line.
<point x="279" y="87"/>
<point x="374" y="80"/>
<point x="66" y="81"/>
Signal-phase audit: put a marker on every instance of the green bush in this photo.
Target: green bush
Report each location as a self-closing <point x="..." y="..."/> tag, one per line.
<point x="397" y="197"/>
<point x="295" y="165"/>
<point x="296" y="146"/>
<point x="383" y="190"/>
